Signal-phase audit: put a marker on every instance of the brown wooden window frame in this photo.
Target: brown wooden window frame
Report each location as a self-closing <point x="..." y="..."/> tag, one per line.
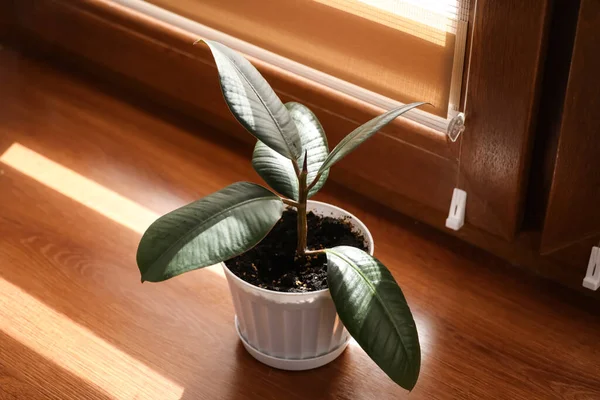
<point x="408" y="166"/>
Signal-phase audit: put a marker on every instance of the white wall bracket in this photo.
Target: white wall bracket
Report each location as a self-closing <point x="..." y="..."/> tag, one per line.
<point x="456" y="216"/>
<point x="592" y="277"/>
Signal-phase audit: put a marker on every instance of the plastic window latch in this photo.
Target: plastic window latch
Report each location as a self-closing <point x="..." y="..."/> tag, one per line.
<point x="458" y="205"/>
<point x="592" y="277"/>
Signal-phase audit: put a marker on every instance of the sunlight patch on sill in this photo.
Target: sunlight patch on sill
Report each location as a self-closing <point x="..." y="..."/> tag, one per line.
<point x="83" y="190"/>
<point x="78" y="350"/>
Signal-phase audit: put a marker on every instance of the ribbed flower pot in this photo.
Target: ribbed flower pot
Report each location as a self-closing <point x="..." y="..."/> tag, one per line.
<point x="292" y="331"/>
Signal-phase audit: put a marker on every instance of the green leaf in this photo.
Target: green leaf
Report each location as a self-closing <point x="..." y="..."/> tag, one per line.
<point x="362" y="133"/>
<point x="374" y="310"/>
<point x="278" y="171"/>
<point x="210" y="230"/>
<point x="253" y="103"/>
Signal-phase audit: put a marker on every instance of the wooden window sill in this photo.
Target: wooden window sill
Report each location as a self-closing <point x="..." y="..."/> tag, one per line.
<point x="77" y="323"/>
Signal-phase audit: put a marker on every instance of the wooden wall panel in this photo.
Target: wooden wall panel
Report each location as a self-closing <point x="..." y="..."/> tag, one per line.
<point x="573" y="212"/>
<point x="502" y="92"/>
<point x="554" y="86"/>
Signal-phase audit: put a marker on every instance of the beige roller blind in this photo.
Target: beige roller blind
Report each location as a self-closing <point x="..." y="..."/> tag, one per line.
<point x="407" y="50"/>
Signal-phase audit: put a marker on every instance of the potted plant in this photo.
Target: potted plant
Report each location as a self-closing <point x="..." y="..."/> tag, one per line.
<point x="291" y="272"/>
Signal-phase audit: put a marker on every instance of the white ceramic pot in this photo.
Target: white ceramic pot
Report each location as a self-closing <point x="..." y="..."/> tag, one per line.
<point x="292" y="331"/>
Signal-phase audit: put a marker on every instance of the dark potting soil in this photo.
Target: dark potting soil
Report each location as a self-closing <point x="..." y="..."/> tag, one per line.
<point x="272" y="263"/>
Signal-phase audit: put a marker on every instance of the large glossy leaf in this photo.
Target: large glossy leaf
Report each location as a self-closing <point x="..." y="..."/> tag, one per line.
<point x="362" y="133"/>
<point x="278" y="171"/>
<point x="205" y="232"/>
<point x="374" y="310"/>
<point x="254" y="103"/>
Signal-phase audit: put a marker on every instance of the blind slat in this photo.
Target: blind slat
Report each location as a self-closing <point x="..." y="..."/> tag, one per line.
<point x="405" y="50"/>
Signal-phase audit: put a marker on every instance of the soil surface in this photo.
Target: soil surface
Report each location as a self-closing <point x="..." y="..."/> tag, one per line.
<point x="272" y="264"/>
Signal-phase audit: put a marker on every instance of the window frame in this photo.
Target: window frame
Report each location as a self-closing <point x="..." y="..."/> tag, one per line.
<point x="407" y="166"/>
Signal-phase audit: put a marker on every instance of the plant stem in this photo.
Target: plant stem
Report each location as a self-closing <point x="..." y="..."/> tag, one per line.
<point x="289" y="202"/>
<point x="301" y="207"/>
<point x="311" y="252"/>
<point x="296" y="169"/>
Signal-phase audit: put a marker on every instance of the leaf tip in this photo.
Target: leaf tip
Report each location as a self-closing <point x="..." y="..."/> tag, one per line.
<point x="305" y="163"/>
<point x="411" y="385"/>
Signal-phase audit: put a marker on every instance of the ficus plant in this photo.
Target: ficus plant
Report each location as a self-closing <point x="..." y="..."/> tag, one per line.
<point x="293" y="157"/>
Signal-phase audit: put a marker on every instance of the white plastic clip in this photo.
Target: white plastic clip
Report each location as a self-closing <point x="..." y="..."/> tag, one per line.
<point x="592" y="277"/>
<point x="456" y="127"/>
<point x="456" y="217"/>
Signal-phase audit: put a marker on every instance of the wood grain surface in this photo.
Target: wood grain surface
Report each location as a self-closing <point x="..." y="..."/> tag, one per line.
<point x="561" y="35"/>
<point x="76" y="323"/>
<point x="573" y="213"/>
<point x="508" y="49"/>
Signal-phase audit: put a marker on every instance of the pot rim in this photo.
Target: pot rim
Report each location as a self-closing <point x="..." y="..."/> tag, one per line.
<point x="361" y="225"/>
